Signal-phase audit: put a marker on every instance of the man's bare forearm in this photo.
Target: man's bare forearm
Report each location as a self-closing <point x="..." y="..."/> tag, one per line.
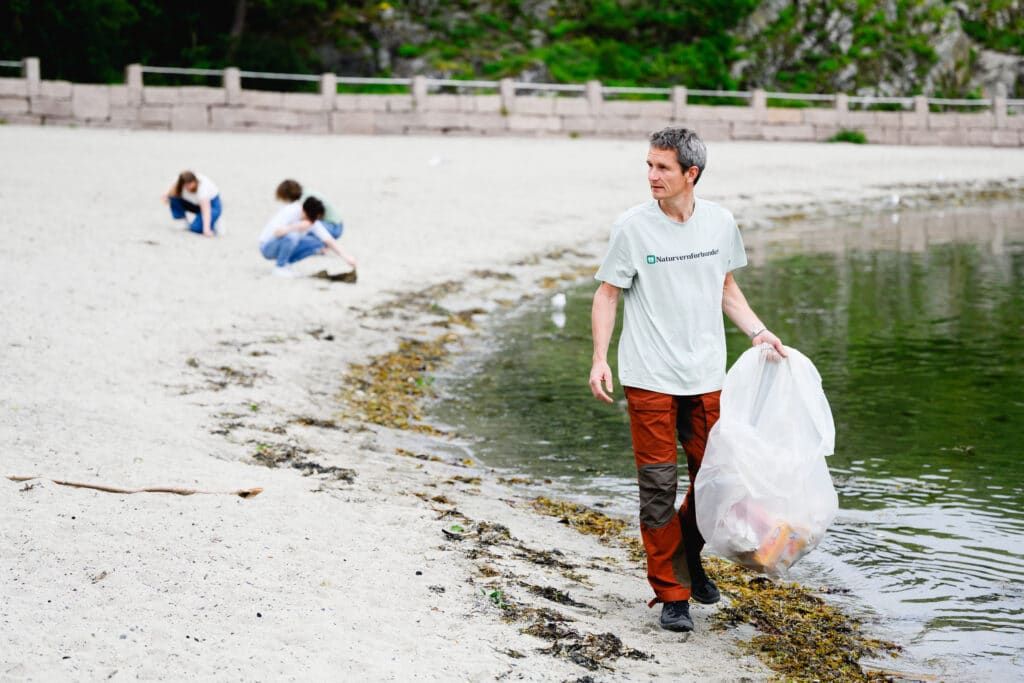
<point x="602" y="319"/>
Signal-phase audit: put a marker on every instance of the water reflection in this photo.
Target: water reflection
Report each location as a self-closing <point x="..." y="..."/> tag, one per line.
<point x="916" y="328"/>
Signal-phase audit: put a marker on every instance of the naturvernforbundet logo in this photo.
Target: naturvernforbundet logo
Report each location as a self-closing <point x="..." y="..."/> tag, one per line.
<point x="653" y="259"/>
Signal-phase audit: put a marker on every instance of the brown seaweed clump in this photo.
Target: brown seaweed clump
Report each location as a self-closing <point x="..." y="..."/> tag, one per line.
<point x="592" y="651"/>
<point x="553" y="594"/>
<point x="581" y="518"/>
<point x="389" y="390"/>
<point x="287" y="455"/>
<point x="800" y="636"/>
<point x="349" y="277"/>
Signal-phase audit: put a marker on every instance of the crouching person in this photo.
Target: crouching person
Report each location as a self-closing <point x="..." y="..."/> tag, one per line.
<point x="296" y="232"/>
<point x="194" y="193"/>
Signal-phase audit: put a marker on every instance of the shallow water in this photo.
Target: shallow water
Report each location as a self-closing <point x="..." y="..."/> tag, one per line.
<point x="915" y="321"/>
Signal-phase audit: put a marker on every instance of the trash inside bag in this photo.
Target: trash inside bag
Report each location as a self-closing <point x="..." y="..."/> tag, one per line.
<point x="764" y="496"/>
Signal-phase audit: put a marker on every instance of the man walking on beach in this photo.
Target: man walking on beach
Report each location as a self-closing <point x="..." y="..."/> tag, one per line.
<point x="673" y="258"/>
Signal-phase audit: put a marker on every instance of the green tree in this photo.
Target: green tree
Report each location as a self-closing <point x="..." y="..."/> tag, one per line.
<point x="81" y="40"/>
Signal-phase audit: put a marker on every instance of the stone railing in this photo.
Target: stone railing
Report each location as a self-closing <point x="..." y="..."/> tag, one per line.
<point x="506" y="107"/>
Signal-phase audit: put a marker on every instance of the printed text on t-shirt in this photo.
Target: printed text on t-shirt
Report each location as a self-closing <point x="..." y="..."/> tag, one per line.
<point x="652" y="259"/>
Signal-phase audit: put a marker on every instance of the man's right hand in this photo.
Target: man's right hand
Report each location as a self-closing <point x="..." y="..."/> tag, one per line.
<point x="601" y="373"/>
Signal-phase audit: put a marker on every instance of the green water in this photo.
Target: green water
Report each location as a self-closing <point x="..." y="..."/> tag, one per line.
<point x="915" y="321"/>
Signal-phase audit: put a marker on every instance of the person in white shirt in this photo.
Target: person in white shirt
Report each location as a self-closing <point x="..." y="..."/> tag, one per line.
<point x="196" y="194"/>
<point x="294" y="233"/>
<point x="290" y="190"/>
<point x="672" y="260"/>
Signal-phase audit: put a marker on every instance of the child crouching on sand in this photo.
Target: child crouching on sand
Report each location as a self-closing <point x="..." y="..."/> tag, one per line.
<point x="196" y="194"/>
<point x="294" y="233"/>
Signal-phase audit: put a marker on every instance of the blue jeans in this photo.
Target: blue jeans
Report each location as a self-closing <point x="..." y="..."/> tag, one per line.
<point x="291" y="247"/>
<point x="334" y="228"/>
<point x="179" y="206"/>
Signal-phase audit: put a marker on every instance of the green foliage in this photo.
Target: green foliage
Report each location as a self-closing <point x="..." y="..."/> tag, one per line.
<point x="409" y="51"/>
<point x="825" y="46"/>
<point x="996" y="24"/>
<point x="646" y="42"/>
<point x="844" y="45"/>
<point x="853" y="136"/>
<point x="497" y="598"/>
<point x="83" y="40"/>
<point x="92" y="40"/>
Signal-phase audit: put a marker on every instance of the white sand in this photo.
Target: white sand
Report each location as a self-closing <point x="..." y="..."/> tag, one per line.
<point x="105" y="303"/>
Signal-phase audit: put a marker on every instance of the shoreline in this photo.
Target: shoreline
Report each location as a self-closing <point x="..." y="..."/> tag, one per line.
<point x="139" y="353"/>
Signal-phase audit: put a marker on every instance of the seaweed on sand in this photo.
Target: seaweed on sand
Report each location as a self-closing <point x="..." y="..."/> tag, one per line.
<point x="348" y="277"/>
<point x="592" y="651"/>
<point x="463" y="318"/>
<point x="389" y="390"/>
<point x="589" y="650"/>
<point x="553" y="594"/>
<point x="583" y="519"/>
<point x="279" y="455"/>
<point x="800" y="636"/>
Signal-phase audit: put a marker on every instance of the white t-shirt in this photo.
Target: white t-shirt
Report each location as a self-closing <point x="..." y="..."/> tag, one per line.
<point x="672" y="275"/>
<point x="287" y="215"/>
<point x="206" y="190"/>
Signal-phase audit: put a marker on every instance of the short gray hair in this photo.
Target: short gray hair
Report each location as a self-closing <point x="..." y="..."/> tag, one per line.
<point x="690" y="149"/>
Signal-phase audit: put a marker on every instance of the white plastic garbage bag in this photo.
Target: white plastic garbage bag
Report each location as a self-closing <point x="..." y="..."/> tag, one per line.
<point x="764" y="495"/>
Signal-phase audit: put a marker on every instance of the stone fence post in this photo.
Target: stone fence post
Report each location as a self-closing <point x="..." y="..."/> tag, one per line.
<point x="679" y="102"/>
<point x="133" y="82"/>
<point x="842" y="107"/>
<point x="328" y="90"/>
<point x="419" y="92"/>
<point x="30" y="72"/>
<point x="595" y="97"/>
<point x="232" y="81"/>
<point x="999" y="105"/>
<point x="507" y="90"/>
<point x="921" y="110"/>
<point x="759" y="102"/>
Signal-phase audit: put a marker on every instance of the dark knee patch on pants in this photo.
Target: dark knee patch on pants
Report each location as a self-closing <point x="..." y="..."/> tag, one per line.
<point x="657" y="494"/>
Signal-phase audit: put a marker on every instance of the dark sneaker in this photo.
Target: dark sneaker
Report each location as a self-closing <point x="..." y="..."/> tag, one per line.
<point x="675" y="616"/>
<point x="706" y="593"/>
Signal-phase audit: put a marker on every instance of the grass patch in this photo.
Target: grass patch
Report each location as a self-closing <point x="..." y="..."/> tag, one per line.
<point x="855" y="137"/>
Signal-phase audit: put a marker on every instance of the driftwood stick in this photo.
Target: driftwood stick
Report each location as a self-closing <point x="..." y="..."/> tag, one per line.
<point x="242" y="493"/>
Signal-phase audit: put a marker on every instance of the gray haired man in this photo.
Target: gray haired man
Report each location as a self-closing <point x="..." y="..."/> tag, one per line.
<point x="672" y="258"/>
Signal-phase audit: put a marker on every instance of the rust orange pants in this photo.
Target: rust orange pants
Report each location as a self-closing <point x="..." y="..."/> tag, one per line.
<point x="670" y="537"/>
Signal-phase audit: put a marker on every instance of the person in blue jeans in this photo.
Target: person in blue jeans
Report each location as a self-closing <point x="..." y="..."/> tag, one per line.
<point x="296" y="232"/>
<point x="196" y="194"/>
<point x="292" y="191"/>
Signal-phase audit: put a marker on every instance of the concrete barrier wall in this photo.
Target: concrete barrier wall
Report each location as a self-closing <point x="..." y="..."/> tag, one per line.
<point x="30" y="100"/>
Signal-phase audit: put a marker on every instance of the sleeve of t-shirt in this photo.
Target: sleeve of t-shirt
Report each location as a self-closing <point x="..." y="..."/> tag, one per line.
<point x="618" y="268"/>
<point x="737" y="254"/>
<point x="207" y="189"/>
<point x="320" y="231"/>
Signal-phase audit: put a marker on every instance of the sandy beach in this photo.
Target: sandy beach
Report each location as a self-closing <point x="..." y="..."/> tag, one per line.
<point x="136" y="355"/>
